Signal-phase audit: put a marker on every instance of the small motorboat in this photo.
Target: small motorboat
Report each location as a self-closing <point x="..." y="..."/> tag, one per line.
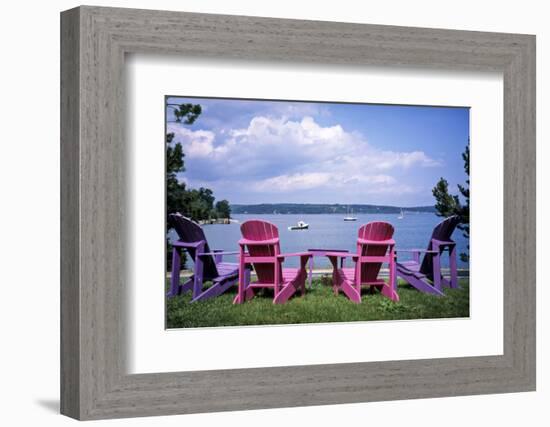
<point x="301" y="225"/>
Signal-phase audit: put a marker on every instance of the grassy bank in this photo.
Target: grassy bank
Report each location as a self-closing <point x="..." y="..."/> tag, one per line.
<point x="318" y="306"/>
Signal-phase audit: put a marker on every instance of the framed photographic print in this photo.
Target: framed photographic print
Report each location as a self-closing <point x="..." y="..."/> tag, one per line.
<point x="302" y="171"/>
<point x="349" y="208"/>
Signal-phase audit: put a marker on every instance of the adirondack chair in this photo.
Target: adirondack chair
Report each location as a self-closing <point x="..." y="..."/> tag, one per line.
<point x="425" y="275"/>
<point x="375" y="247"/>
<point x="260" y="248"/>
<point x="208" y="265"/>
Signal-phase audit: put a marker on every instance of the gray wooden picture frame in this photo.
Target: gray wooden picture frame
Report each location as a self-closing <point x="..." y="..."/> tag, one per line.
<point x="94" y="41"/>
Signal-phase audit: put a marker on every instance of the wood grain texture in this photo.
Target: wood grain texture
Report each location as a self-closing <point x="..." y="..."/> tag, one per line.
<point x="94" y="272"/>
<point x="70" y="291"/>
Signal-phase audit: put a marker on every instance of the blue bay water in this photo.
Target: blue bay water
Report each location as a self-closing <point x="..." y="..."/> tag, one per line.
<point x="330" y="231"/>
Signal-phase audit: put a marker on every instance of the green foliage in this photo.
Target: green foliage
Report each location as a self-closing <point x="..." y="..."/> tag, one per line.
<point x="319" y="305"/>
<point x="465" y="192"/>
<point x="223" y="209"/>
<point x="447" y="204"/>
<point x="207" y="196"/>
<point x="175" y="190"/>
<point x="195" y="204"/>
<point x="174" y="156"/>
<point x="186" y="113"/>
<point x="169" y="255"/>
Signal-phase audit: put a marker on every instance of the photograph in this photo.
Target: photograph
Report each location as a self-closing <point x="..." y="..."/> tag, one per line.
<point x="263" y="213"/>
<point x="297" y="212"/>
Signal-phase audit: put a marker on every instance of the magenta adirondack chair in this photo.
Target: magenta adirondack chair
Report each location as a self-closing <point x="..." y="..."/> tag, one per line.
<point x="426" y="275"/>
<point x="260" y="248"/>
<point x="375" y="247"/>
<point x="208" y="265"/>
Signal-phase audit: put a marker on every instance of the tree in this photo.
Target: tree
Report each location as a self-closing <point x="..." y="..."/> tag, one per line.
<point x="174" y="156"/>
<point x="175" y="190"/>
<point x="176" y="193"/>
<point x="447" y="204"/>
<point x="195" y="206"/>
<point x="465" y="191"/>
<point x="223" y="209"/>
<point x="207" y="196"/>
<point x="186" y="112"/>
<point x="176" y="196"/>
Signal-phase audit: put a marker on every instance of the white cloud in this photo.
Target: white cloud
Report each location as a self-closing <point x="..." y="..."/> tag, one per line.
<point x="299" y="181"/>
<point x="306" y="181"/>
<point x="199" y="143"/>
<point x="276" y="154"/>
<point x="292" y="134"/>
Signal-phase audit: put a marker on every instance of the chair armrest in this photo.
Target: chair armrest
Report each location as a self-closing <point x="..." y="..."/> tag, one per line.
<point x="304" y="258"/>
<point x="443" y="242"/>
<point x="219" y="253"/>
<point x="300" y="254"/>
<point x="258" y="242"/>
<point x="341" y="254"/>
<point x="376" y="242"/>
<point x="327" y="250"/>
<point x="193" y="245"/>
<point x="416" y="251"/>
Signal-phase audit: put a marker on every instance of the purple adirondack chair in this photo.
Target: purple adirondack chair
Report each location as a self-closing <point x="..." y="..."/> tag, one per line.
<point x="426" y="275"/>
<point x="261" y="239"/>
<point x="208" y="265"/>
<point x="375" y="246"/>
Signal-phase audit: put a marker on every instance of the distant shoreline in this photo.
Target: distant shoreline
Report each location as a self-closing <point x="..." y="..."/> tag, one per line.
<point x="320" y="208"/>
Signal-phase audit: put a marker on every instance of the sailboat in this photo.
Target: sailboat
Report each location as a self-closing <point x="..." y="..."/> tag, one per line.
<point x="350" y="217"/>
<point x="401" y="215"/>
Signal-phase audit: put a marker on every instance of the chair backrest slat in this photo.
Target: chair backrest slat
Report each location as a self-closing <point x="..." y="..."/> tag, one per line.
<point x="190" y="232"/>
<point x="377" y="230"/>
<point x="259" y="231"/>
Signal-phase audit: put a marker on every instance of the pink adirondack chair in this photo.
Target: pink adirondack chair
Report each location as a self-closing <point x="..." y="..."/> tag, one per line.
<point x="260" y="249"/>
<point x="375" y="247"/>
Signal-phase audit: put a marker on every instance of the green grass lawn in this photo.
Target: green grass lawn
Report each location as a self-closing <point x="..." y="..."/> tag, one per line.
<point x="318" y="306"/>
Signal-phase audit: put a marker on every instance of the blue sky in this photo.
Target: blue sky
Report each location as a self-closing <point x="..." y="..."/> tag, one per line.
<point x="250" y="151"/>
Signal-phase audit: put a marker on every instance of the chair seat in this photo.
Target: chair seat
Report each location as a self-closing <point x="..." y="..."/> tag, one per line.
<point x="349" y="274"/>
<point x="226" y="270"/>
<point x="409" y="265"/>
<point x="289" y="274"/>
<point x="412" y="267"/>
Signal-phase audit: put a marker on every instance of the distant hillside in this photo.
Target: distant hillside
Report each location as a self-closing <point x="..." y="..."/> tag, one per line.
<point x="299" y="208"/>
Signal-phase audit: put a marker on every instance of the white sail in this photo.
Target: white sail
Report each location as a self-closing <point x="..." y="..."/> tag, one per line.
<point x="350" y="217"/>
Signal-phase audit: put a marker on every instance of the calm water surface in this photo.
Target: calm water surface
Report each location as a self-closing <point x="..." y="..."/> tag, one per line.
<point x="331" y="231"/>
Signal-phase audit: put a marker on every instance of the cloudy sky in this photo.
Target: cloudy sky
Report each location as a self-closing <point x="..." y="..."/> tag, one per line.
<point x="251" y="151"/>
